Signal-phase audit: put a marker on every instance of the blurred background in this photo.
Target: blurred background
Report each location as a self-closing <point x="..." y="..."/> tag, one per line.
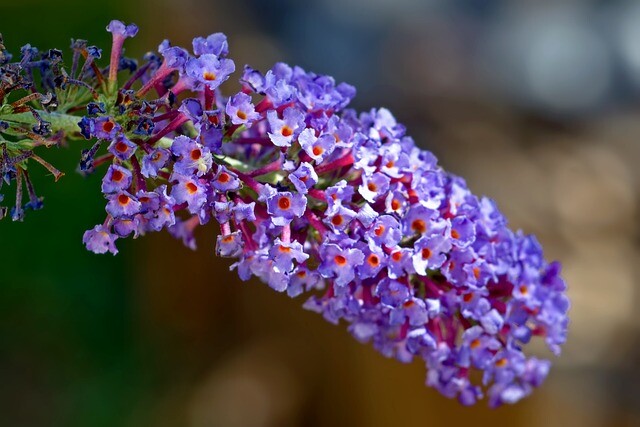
<point x="535" y="103"/>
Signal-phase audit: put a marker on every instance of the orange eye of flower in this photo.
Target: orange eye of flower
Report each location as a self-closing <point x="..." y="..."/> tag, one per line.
<point x="108" y="126"/>
<point x="373" y="260"/>
<point x="476" y="273"/>
<point x="426" y="253"/>
<point x="455" y="234"/>
<point x="117" y="176"/>
<point x="241" y="115"/>
<point x="287" y="131"/>
<point x="123" y="199"/>
<point x="284" y="203"/>
<point x="467" y="297"/>
<point x="340" y="260"/>
<point x="121" y="147"/>
<point x="156" y="156"/>
<point x="196" y="154"/>
<point x="395" y="204"/>
<point x="301" y="274"/>
<point x="209" y="76"/>
<point x="228" y="239"/>
<point x="379" y="230"/>
<point x="524" y="290"/>
<point x="502" y="363"/>
<point x="191" y="187"/>
<point x="372" y="187"/>
<point x="337" y="220"/>
<point x="224" y="177"/>
<point x="396" y="256"/>
<point x="419" y="226"/>
<point x="475" y="343"/>
<point x="284" y="249"/>
<point x="317" y="151"/>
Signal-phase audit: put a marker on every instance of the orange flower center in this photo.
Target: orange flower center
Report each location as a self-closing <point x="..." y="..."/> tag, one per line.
<point x="224" y="177"/>
<point x="373" y="260"/>
<point x="419" y="226"/>
<point x="241" y="115"/>
<point x="284" y="203"/>
<point x="191" y="187"/>
<point x="117" y="176"/>
<point x="123" y="199"/>
<point x="287" y="131"/>
<point x="340" y="260"/>
<point x="208" y="75"/>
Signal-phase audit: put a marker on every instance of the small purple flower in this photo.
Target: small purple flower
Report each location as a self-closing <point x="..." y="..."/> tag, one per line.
<point x="339" y="264"/>
<point x="392" y="292"/>
<point x="430" y="253"/>
<point x="385" y="231"/>
<point x="463" y="232"/>
<point x="318" y="148"/>
<point x="215" y="44"/>
<point x="210" y="70"/>
<point x="338" y="194"/>
<point x="340" y="219"/>
<point x="190" y="191"/>
<point x="194" y="159"/>
<point x="284" y="130"/>
<point x="119" y="29"/>
<point x="122" y="204"/>
<point x="241" y="110"/>
<point x="116" y="179"/>
<point x="225" y="180"/>
<point x="283" y="255"/>
<point x="100" y="240"/>
<point x="244" y="211"/>
<point x="175" y="58"/>
<point x="125" y="226"/>
<point x="105" y="128"/>
<point x="304" y="178"/>
<point x="284" y="206"/>
<point x="414" y="310"/>
<point x="374" y="261"/>
<point x="374" y="186"/>
<point x="121" y="147"/>
<point x="229" y="245"/>
<point x="154" y="161"/>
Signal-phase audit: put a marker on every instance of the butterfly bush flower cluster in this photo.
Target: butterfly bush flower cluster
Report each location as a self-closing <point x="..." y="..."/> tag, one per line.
<point x="312" y="198"/>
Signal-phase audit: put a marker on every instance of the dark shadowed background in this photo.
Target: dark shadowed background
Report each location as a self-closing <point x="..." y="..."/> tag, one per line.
<point x="535" y="103"/>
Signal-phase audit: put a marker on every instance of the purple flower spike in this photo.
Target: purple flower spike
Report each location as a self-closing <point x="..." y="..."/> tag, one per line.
<point x="310" y="197"/>
<point x="100" y="240"/>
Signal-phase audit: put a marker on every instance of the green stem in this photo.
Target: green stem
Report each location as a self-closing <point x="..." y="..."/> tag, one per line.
<point x="59" y="121"/>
